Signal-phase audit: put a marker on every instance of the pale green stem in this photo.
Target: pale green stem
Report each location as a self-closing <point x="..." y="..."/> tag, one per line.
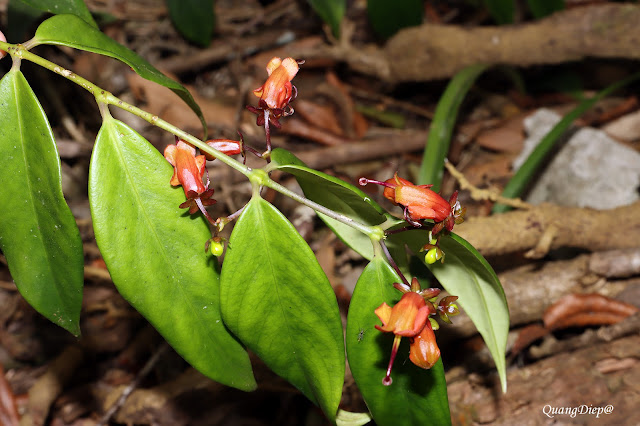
<point x="257" y="176"/>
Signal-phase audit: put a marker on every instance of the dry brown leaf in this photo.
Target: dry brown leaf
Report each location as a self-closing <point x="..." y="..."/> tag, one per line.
<point x="527" y="336"/>
<point x="168" y="106"/>
<point x="508" y="136"/>
<point x="356" y="124"/>
<point x="297" y="127"/>
<point x="579" y="310"/>
<point x="321" y="116"/>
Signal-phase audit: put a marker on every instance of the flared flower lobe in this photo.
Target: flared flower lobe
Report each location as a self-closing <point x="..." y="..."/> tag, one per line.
<point x="277" y="91"/>
<point x="407" y="317"/>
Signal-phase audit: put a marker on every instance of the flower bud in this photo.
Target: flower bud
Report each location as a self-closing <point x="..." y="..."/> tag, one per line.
<point x="217" y="248"/>
<point x="433" y="255"/>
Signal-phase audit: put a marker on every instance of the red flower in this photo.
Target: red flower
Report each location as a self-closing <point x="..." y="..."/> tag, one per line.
<point x="424" y="351"/>
<point x="420" y="201"/>
<point x="410" y="318"/>
<point x="275" y="95"/>
<point x="277" y="91"/>
<point x="226" y="146"/>
<point x="189" y="170"/>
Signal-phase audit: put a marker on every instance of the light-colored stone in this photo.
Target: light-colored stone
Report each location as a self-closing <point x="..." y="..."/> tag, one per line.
<point x="590" y="170"/>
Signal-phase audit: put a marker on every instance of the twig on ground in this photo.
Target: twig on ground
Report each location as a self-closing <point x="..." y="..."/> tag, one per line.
<point x="584" y="228"/>
<point x="483" y="194"/>
<point x="430" y="52"/>
<point x="133" y="385"/>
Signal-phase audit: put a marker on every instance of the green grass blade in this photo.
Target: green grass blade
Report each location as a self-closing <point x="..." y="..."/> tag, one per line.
<point x="519" y="181"/>
<point x="442" y="125"/>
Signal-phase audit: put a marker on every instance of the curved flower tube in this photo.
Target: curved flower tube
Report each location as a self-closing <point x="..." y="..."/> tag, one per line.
<point x="410" y="317"/>
<point x="188" y="171"/>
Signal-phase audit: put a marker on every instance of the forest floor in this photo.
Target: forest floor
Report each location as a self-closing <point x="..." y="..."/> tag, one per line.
<point x="364" y="107"/>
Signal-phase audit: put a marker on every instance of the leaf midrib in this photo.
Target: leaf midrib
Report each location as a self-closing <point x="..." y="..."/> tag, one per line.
<point x="112" y="127"/>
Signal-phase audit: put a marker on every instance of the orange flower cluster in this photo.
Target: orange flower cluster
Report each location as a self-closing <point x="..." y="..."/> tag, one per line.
<point x="410" y="317"/>
<point x="189" y="170"/>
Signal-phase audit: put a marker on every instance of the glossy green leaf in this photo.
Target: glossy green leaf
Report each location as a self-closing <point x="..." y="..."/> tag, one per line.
<point x="442" y="125"/>
<point x="155" y="253"/>
<point x="337" y="195"/>
<point x="59" y="7"/>
<point x="388" y="17"/>
<point x="416" y="396"/>
<point x="278" y="301"/>
<point x="502" y="11"/>
<point x="69" y="30"/>
<point x="331" y="12"/>
<point x="38" y="234"/>
<point x="518" y="183"/>
<point x="194" y="19"/>
<point x="466" y="274"/>
<point x="540" y="9"/>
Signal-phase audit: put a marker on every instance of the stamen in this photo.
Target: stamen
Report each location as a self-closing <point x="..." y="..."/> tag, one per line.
<point x="364" y="181"/>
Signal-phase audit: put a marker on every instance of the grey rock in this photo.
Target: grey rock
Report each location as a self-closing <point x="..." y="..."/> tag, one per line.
<point x="590" y="170"/>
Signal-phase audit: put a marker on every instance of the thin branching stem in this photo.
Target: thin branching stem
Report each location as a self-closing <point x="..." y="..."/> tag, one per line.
<point x="257" y="176"/>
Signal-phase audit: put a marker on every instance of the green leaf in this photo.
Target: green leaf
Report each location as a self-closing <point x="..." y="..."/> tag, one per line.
<point x="518" y="183"/>
<point x="194" y="19"/>
<point x="278" y="301"/>
<point x="501" y="10"/>
<point x="155" y="253"/>
<point x="466" y="274"/>
<point x="59" y="7"/>
<point x="442" y="125"/>
<point x="38" y="234"/>
<point x="387" y="17"/>
<point x="331" y="12"/>
<point x="416" y="396"/>
<point x="338" y="196"/>
<point x="69" y="30"/>
<point x="540" y="9"/>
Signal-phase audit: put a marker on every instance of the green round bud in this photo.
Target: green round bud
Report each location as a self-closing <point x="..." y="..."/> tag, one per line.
<point x="217" y="248"/>
<point x="432" y="256"/>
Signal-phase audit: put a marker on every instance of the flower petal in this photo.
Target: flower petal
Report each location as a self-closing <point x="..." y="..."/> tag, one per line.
<point x="424" y="351"/>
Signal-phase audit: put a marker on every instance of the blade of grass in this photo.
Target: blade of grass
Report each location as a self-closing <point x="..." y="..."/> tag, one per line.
<point x="519" y="181"/>
<point x="442" y="125"/>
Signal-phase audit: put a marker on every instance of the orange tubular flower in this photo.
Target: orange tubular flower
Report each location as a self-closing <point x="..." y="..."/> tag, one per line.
<point x="277" y="91"/>
<point x="189" y="170"/>
<point x="275" y="95"/>
<point x="424" y="351"/>
<point x="410" y="318"/>
<point x="226" y="146"/>
<point x="420" y="201"/>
